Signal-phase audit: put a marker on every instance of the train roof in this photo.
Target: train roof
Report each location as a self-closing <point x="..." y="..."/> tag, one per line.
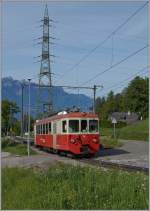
<point x="68" y="115"/>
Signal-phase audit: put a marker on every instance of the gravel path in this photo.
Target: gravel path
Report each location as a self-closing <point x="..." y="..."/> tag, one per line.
<point x="5" y="154"/>
<point x="43" y="159"/>
<point x="134" y="153"/>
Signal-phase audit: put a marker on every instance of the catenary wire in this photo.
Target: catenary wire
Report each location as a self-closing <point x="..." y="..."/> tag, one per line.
<point x="126" y="79"/>
<point x="122" y="84"/>
<point x="116" y="64"/>
<point x="108" y="37"/>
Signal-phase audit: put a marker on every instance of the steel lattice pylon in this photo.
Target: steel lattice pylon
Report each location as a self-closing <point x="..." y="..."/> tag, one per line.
<point x="45" y="69"/>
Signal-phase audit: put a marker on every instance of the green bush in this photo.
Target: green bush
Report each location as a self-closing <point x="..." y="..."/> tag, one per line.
<point x="7" y="143"/>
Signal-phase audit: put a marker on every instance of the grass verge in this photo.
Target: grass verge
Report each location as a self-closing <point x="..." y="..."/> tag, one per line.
<point x="108" y="142"/>
<point x="137" y="131"/>
<point x="68" y="187"/>
<point x="15" y="148"/>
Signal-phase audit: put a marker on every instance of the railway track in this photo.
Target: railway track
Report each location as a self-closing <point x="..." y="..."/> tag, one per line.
<point x="108" y="164"/>
<point x="93" y="162"/>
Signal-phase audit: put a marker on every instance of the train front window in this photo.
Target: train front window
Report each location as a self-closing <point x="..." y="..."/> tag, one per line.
<point x="84" y="126"/>
<point x="73" y="126"/>
<point x="93" y="126"/>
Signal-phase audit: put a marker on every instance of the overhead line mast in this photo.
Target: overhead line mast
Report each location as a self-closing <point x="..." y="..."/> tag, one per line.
<point x="45" y="69"/>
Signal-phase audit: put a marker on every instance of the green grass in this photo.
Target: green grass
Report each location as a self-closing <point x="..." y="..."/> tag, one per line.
<point x="137" y="131"/>
<point x="19" y="149"/>
<point x="15" y="148"/>
<point x="109" y="142"/>
<point x="68" y="187"/>
<point x="106" y="131"/>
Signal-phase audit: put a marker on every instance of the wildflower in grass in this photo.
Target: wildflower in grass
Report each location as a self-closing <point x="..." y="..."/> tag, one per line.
<point x="65" y="187"/>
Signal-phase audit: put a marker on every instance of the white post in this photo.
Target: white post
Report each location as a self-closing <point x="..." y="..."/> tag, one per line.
<point x="114" y="131"/>
<point x="28" y="142"/>
<point x="114" y="121"/>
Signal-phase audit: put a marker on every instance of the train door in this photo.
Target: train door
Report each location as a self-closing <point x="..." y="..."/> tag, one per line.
<point x="54" y="134"/>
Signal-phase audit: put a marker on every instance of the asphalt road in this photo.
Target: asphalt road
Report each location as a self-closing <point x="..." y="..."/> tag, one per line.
<point x="135" y="153"/>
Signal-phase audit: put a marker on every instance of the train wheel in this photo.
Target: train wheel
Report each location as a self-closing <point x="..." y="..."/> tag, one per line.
<point x="55" y="151"/>
<point x="62" y="153"/>
<point x="89" y="155"/>
<point x="70" y="155"/>
<point x="40" y="148"/>
<point x="50" y="150"/>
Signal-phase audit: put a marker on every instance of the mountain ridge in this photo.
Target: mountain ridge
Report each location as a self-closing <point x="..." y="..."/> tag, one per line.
<point x="11" y="90"/>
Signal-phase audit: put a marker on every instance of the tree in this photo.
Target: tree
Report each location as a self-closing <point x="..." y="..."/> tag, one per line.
<point x="109" y="106"/>
<point x="98" y="104"/>
<point x="136" y="96"/>
<point x="9" y="109"/>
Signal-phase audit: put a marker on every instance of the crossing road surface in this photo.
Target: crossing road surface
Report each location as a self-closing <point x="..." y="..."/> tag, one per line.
<point x="134" y="153"/>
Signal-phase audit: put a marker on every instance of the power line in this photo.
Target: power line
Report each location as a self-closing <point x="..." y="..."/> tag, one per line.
<point x="126" y="79"/>
<point x="101" y="43"/>
<point x="129" y="80"/>
<point x="116" y="64"/>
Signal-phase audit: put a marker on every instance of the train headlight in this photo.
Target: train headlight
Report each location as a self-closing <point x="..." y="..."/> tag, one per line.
<point x="95" y="140"/>
<point x="73" y="141"/>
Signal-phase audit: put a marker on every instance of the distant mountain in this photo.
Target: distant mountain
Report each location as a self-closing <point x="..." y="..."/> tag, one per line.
<point x="11" y="90"/>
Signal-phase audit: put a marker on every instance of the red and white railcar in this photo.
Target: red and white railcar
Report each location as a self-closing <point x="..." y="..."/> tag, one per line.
<point x="76" y="133"/>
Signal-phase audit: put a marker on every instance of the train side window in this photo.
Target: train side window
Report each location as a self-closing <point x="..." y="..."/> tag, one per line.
<point x="64" y="126"/>
<point x="40" y="129"/>
<point x="84" y="126"/>
<point x="46" y="128"/>
<point x="43" y="128"/>
<point x="49" y="124"/>
<point x="54" y="128"/>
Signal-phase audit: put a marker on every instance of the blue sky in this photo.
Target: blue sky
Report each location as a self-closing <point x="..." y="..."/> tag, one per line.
<point x="81" y="26"/>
